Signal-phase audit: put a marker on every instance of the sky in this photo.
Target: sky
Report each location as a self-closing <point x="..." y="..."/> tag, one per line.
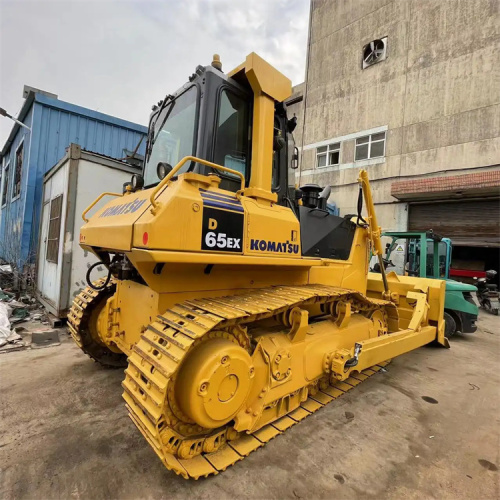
<point x="119" y="57"/>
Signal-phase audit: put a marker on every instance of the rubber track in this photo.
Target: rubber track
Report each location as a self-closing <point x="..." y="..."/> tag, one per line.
<point x="157" y="356"/>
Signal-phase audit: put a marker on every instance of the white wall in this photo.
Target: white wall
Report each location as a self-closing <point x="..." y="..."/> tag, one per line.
<point x="93" y="179"/>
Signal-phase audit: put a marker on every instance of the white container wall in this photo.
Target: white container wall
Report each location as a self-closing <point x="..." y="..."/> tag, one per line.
<point x="69" y="188"/>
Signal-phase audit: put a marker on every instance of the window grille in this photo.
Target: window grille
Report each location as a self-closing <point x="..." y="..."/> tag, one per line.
<point x="54" y="229"/>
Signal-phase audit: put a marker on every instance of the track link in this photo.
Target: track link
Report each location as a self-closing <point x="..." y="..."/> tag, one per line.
<point x="156" y="358"/>
<point x="79" y="318"/>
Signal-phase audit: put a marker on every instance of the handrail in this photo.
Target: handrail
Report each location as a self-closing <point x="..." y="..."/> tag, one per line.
<point x="164" y="181"/>
<point x="97" y="200"/>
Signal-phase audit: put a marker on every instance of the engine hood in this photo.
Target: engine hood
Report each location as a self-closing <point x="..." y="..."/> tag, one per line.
<point x="457" y="286"/>
<point x="111" y="227"/>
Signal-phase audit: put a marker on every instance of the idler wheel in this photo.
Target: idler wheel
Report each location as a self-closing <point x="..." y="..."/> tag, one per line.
<point x="214" y="382"/>
<point x="379" y="320"/>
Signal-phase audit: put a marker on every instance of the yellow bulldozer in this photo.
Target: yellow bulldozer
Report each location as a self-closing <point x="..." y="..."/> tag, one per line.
<point x="238" y="304"/>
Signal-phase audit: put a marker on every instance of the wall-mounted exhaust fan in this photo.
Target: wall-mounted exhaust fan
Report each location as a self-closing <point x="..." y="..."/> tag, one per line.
<point x="374" y="52"/>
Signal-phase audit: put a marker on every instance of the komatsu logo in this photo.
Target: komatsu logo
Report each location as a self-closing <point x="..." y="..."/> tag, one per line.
<point x="124" y="208"/>
<point x="273" y="246"/>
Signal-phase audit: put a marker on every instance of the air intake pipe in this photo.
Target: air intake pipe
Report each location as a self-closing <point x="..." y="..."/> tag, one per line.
<point x="313" y="196"/>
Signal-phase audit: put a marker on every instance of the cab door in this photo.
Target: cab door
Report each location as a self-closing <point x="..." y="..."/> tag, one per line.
<point x="232" y="132"/>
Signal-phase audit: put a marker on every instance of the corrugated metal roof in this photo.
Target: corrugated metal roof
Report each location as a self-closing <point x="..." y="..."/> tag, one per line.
<point x="70" y="108"/>
<point x="107" y="157"/>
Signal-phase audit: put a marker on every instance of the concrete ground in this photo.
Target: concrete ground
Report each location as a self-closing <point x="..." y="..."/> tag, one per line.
<point x="64" y="433"/>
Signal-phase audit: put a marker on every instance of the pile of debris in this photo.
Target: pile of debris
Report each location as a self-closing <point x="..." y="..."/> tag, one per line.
<point x="9" y="338"/>
<point x="7" y="279"/>
<point x="13" y="312"/>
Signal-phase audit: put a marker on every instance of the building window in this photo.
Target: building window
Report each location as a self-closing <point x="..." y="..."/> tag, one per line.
<point x="54" y="229"/>
<point x="16" y="189"/>
<point x="5" y="189"/>
<point x="328" y="156"/>
<point x="370" y="146"/>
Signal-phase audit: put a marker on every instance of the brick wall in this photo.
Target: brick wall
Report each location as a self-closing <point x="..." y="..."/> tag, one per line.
<point x="481" y="180"/>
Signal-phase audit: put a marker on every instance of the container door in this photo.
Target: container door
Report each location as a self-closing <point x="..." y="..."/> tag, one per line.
<point x="52" y="254"/>
<point x="52" y="238"/>
<point x="43" y="242"/>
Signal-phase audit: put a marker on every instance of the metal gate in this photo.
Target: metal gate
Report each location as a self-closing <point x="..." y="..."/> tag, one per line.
<point x="468" y="223"/>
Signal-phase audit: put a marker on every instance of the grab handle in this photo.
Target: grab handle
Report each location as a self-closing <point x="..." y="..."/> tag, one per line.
<point x="97" y="200"/>
<point x="154" y="207"/>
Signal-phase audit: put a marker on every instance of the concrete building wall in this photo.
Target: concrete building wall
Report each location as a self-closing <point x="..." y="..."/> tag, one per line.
<point x="436" y="96"/>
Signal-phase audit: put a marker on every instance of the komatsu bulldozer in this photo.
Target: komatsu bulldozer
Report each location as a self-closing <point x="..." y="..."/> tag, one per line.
<point x="238" y="304"/>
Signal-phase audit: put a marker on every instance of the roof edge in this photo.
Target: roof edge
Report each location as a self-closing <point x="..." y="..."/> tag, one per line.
<point x="90" y="113"/>
<point x="70" y="108"/>
<point x="28" y="102"/>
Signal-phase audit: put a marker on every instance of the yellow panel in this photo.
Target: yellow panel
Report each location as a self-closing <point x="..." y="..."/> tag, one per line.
<point x="112" y="226"/>
<point x="271" y="232"/>
<point x="181" y="207"/>
<point x="136" y="319"/>
<point x="262" y="148"/>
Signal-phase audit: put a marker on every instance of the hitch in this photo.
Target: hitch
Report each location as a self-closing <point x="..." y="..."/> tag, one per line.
<point x="352" y="362"/>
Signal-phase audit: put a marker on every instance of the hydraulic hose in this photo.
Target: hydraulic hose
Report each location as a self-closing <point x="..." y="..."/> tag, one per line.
<point x="89" y="282"/>
<point x="360" y="207"/>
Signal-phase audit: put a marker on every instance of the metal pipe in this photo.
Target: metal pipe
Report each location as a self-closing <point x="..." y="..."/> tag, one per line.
<point x="4" y="113"/>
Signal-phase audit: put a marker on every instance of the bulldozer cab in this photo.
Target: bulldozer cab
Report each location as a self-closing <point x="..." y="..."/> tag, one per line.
<point x="219" y="118"/>
<point x="211" y="117"/>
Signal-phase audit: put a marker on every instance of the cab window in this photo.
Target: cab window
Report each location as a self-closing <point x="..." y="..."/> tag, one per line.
<point x="441" y="255"/>
<point x="232" y="138"/>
